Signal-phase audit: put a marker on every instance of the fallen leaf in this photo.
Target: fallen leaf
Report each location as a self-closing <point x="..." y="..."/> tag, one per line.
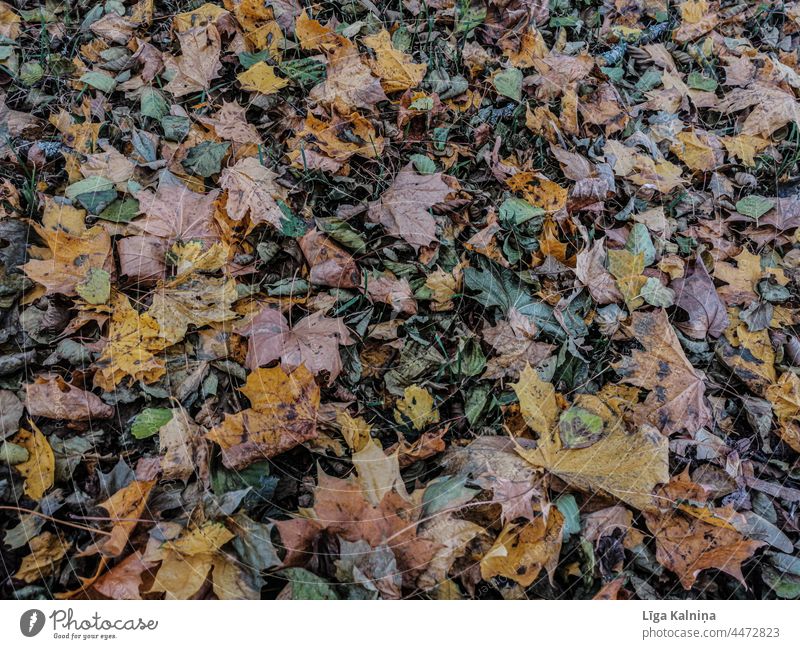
<point x="313" y="342"/>
<point x="199" y="62"/>
<point x="537" y="401"/>
<point x="677" y="391"/>
<point x="39" y="469"/>
<point x="396" y="69"/>
<point x="282" y="414"/>
<point x="261" y="78"/>
<point x="696" y="294"/>
<point x="54" y="398"/>
<point x="416" y="406"/>
<point x="403" y="209"/>
<point x="47" y="551"/>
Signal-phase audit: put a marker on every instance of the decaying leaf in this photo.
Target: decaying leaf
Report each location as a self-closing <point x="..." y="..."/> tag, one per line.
<point x="282" y="414"/>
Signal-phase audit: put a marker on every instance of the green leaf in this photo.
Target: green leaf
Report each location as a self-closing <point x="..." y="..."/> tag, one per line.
<point x="176" y="128"/>
<point x="655" y="293"/>
<point x="306" y="585"/>
<point x="149" y="422"/>
<point x="121" y="211"/>
<point x="291" y="224"/>
<point x="96" y="287"/>
<point x="423" y="164"/>
<point x="568" y="507"/>
<point x="579" y="428"/>
<point x="639" y="241"/>
<point x="509" y="83"/>
<point x="754" y="205"/>
<point x="516" y="211"/>
<point x="103" y="81"/>
<point x="699" y="82"/>
<point x="205" y="159"/>
<point x="88" y="186"/>
<point x="153" y="104"/>
<point x="306" y="72"/>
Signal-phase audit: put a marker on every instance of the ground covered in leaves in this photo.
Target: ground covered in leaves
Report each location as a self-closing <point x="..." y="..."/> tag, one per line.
<point x="446" y="299"/>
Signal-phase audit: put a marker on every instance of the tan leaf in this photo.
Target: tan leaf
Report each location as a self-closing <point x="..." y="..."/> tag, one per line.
<point x="403" y="209"/>
<point x="47" y="551"/>
<point x="174" y="212"/>
<point x="590" y="269"/>
<point x="251" y="189"/>
<point x="199" y="62"/>
<point x="54" y="398"/>
<point x="329" y="264"/>
<point x="378" y="473"/>
<point x="197" y="300"/>
<point x="677" y="391"/>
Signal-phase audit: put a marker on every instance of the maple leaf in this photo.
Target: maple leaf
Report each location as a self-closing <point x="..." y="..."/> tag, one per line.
<point x="338" y="138"/>
<point x="47" y="551"/>
<point x="677" y="391"/>
<point x="396" y="69"/>
<point x="313" y="342"/>
<point x="348" y="80"/>
<point x="73" y="257"/>
<point x="590" y="269"/>
<point x="784" y="395"/>
<point x="340" y="507"/>
<point x="378" y="473"/>
<point x="687" y="544"/>
<point x="625" y="465"/>
<point x="196" y="300"/>
<point x="251" y="189"/>
<point x="329" y="264"/>
<point x="199" y="62"/>
<point x="176" y="213"/>
<point x="39" y="469"/>
<point x="521" y="552"/>
<point x="261" y="78"/>
<point x="403" y="209"/>
<point x="537" y="401"/>
<point x="514" y="340"/>
<point x="132" y="347"/>
<point x="282" y="414"/>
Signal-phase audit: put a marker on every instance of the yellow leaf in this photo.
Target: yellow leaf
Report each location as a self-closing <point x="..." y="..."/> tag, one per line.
<point x="197" y="300"/>
<point x="520" y="552"/>
<point x="132" y="347"/>
<point x="378" y="473"/>
<point x="355" y="430"/>
<point x="539" y="191"/>
<point x="417" y="406"/>
<point x="745" y="147"/>
<point x="205" y="539"/>
<point x="396" y="69"/>
<point x="57" y="216"/>
<point x="785" y="399"/>
<point x="125" y="507"/>
<point x="537" y="401"/>
<point x="314" y="36"/>
<point x="625" y="465"/>
<point x="627" y="269"/>
<point x="72" y="258"/>
<point x="46" y="551"/>
<point x="39" y="469"/>
<point x="261" y="78"/>
<point x="207" y="13"/>
<point x="696" y="153"/>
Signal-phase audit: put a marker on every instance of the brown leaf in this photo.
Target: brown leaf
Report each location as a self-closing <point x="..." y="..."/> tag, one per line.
<point x="123" y="581"/>
<point x="47" y="551"/>
<point x="696" y="294"/>
<point x="677" y="391"/>
<point x="688" y="545"/>
<point x="199" y="62"/>
<point x="313" y="342"/>
<point x="282" y="414"/>
<point x="329" y="264"/>
<point x="590" y="269"/>
<point x="54" y="398"/>
<point x="403" y="209"/>
<point x="251" y="189"/>
<point x="176" y="213"/>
